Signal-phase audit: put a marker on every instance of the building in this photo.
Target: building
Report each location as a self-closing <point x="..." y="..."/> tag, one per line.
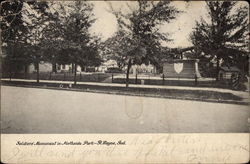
<point x="143" y="68"/>
<point x="48" y="67"/>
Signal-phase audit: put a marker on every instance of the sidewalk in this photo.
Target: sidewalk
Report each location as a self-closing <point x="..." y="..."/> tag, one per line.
<point x="243" y="95"/>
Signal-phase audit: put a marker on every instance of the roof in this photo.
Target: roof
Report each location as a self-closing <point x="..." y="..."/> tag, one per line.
<point x="230" y="69"/>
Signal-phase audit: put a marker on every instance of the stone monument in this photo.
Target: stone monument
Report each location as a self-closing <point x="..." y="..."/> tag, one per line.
<point x="181" y="68"/>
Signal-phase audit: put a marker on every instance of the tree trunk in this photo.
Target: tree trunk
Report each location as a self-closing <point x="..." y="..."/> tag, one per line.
<point x="75" y="73"/>
<point x="37" y="72"/>
<point x="25" y="71"/>
<point x="127" y="74"/>
<point x="217" y="67"/>
<point x="10" y="73"/>
<point x="72" y="70"/>
<point x="54" y="67"/>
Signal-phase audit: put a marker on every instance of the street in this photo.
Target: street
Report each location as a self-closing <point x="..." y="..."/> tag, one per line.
<point x="33" y="110"/>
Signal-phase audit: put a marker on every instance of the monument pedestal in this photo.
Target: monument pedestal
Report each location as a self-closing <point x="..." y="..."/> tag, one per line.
<point x="181" y="68"/>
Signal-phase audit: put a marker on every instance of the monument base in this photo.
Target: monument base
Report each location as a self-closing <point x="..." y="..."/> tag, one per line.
<point x="179" y="68"/>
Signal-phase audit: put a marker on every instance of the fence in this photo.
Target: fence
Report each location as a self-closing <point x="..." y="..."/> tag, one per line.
<point x="138" y="79"/>
<point x="84" y="77"/>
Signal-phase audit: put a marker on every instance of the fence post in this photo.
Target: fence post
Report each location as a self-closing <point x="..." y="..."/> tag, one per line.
<point x="50" y="76"/>
<point x="10" y="76"/>
<point x="136" y="78"/>
<point x="80" y="76"/>
<point x="112" y="79"/>
<point x="163" y="79"/>
<point x="195" y="80"/>
<point x="64" y="76"/>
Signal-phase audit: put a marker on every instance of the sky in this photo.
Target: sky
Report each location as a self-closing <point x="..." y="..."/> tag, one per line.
<point x="180" y="28"/>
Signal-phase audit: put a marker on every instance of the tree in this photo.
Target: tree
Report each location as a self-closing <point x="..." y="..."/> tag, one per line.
<point x="37" y="16"/>
<point x="138" y="39"/>
<point x="67" y="39"/>
<point x="225" y="35"/>
<point x="77" y="43"/>
<point x="21" y="27"/>
<point x="12" y="32"/>
<point x="53" y="35"/>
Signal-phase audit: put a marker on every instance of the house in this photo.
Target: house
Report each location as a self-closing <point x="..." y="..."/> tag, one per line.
<point x="43" y="67"/>
<point x="143" y="68"/>
<point x="48" y="67"/>
<point x="107" y="64"/>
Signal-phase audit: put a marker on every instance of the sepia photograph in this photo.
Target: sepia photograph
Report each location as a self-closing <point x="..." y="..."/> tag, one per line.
<point x="124" y="81"/>
<point x="70" y="67"/>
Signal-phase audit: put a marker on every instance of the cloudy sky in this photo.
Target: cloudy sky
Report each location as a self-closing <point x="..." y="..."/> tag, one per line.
<point x="179" y="28"/>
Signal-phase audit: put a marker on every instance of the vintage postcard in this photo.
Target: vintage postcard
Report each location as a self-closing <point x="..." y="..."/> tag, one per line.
<point x="124" y="81"/>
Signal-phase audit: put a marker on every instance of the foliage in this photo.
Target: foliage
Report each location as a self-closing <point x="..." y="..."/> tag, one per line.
<point x="139" y="30"/>
<point x="18" y="38"/>
<point x="138" y="39"/>
<point x="34" y="31"/>
<point x="11" y="20"/>
<point x="225" y="36"/>
<point x="67" y="36"/>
